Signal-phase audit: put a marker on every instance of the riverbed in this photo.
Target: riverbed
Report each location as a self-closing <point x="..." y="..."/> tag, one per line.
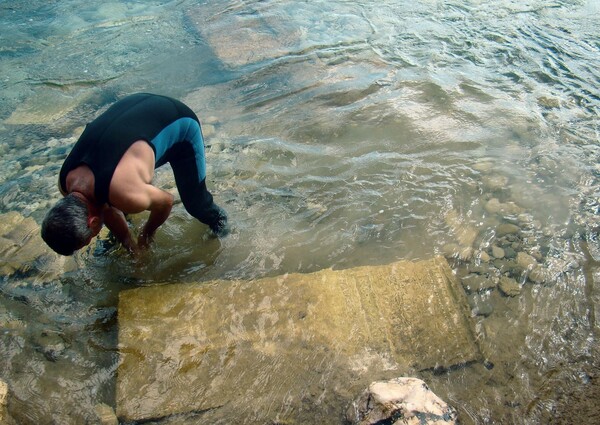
<point x="338" y="134"/>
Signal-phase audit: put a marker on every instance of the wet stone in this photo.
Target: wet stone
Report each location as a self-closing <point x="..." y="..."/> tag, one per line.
<point x="46" y="107"/>
<point x="495" y="182"/>
<point x="481" y="304"/>
<point x="509" y="251"/>
<point x="184" y="347"/>
<point x="475" y="283"/>
<point x="497" y="252"/>
<point x="494" y="206"/>
<point x="509" y="267"/>
<point x="106" y="414"/>
<point x="51" y="345"/>
<point x="484" y="257"/>
<point x="526" y="261"/>
<point x="23" y="251"/>
<point x="509" y="287"/>
<point x="4" y="417"/>
<point x="506" y="229"/>
<point x="407" y="398"/>
<point x="538" y="275"/>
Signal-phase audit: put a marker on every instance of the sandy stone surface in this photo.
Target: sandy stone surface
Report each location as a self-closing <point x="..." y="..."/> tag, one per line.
<point x="23" y="251"/>
<point x="290" y="347"/>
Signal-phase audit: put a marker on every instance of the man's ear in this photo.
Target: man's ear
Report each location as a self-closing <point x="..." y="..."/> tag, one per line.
<point x="94" y="222"/>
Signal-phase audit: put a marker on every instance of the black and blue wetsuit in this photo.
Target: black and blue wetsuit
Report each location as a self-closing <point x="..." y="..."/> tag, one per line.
<point x="172" y="130"/>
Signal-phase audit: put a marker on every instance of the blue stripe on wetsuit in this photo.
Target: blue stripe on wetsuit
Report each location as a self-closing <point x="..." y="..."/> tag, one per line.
<point x="183" y="130"/>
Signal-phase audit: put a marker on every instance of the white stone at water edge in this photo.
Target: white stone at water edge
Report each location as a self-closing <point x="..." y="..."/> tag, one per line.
<point x="401" y="400"/>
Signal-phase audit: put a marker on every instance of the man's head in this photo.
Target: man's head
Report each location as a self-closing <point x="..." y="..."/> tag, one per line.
<point x="69" y="226"/>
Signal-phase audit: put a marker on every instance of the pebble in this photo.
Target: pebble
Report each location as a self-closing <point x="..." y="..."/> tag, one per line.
<point x="538" y="275"/>
<point x="494" y="206"/>
<point x="548" y="102"/>
<point x="496" y="182"/>
<point x="484" y="166"/>
<point x="509" y="267"/>
<point x="106" y="414"/>
<point x="51" y="345"/>
<point x="208" y="130"/>
<point x="497" y="252"/>
<point x="509" y="287"/>
<point x="453" y="251"/>
<point x="507" y="229"/>
<point x="526" y="261"/>
<point x="474" y="283"/>
<point x="509" y="251"/>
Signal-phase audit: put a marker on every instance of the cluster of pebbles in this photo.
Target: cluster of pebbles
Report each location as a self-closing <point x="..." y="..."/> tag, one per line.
<point x="504" y="251"/>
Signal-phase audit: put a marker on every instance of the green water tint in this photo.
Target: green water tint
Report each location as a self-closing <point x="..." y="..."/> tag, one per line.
<point x="338" y="135"/>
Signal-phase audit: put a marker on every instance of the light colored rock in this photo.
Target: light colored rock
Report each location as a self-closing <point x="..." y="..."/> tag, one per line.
<point x="257" y="37"/>
<point x="45" y="107"/>
<point x="450" y="250"/>
<point x="549" y="102"/>
<point x="509" y="287"/>
<point x="484" y="257"/>
<point x="494" y="182"/>
<point x="466" y="253"/>
<point x="5" y="419"/>
<point x="273" y="346"/>
<point x="208" y="130"/>
<point x="400" y="401"/>
<point x="484" y="166"/>
<point x="23" y="250"/>
<point x="497" y="252"/>
<point x="106" y="414"/>
<point x="538" y="275"/>
<point x="526" y="261"/>
<point x="507" y="229"/>
<point x="494" y="206"/>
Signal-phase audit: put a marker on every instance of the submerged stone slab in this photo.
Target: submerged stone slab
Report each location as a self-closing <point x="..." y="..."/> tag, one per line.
<point x="256" y="38"/>
<point x="288" y="29"/>
<point x="22" y="249"/>
<point x="297" y="347"/>
<point x="45" y="107"/>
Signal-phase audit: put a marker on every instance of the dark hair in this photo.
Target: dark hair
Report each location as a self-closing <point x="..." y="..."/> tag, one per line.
<point x="65" y="227"/>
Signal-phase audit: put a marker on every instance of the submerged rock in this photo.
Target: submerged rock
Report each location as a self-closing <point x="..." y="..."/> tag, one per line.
<point x="22" y="249"/>
<point x="106" y="414"/>
<point x="46" y="107"/>
<point x="507" y="229"/>
<point x="280" y="348"/>
<point x="526" y="261"/>
<point x="509" y="287"/>
<point x="3" y="396"/>
<point x="474" y="283"/>
<point x="400" y="401"/>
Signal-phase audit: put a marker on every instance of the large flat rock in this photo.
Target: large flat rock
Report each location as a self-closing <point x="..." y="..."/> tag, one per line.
<point x="291" y="348"/>
<point x="23" y="251"/>
<point x="282" y="30"/>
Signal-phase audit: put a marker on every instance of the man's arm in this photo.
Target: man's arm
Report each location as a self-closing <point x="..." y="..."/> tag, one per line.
<point x="160" y="204"/>
<point x="117" y="224"/>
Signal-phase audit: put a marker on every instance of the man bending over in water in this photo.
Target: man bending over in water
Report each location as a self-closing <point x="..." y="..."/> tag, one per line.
<point x="109" y="173"/>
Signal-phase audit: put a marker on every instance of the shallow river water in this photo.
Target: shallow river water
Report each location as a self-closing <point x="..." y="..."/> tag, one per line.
<point x="339" y="133"/>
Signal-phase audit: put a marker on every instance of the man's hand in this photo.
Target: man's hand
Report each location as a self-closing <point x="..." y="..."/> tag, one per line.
<point x="160" y="206"/>
<point x="117" y="224"/>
